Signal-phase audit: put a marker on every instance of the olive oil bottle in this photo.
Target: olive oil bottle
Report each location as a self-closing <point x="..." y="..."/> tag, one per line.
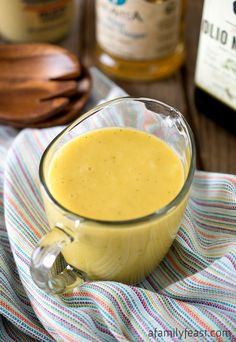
<point x="215" y="76"/>
<point x="140" y="39"/>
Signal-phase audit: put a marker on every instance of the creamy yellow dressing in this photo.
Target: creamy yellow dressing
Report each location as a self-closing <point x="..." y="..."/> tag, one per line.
<point x="115" y="174"/>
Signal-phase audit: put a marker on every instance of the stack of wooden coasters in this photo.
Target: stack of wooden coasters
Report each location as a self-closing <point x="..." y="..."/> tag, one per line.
<point x="41" y="85"/>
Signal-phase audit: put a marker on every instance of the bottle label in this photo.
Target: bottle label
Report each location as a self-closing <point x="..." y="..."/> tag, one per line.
<point x="47" y="14"/>
<point x="216" y="60"/>
<point x="138" y="29"/>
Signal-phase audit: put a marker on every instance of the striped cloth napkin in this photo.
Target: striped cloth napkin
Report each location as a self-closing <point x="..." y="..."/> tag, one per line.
<point x="190" y="296"/>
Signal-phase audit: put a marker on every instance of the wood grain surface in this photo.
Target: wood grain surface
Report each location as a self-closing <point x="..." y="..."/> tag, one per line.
<point x="216" y="147"/>
<point x="37" y="61"/>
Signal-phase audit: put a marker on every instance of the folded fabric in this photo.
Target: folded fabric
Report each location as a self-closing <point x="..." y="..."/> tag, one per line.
<point x="191" y="295"/>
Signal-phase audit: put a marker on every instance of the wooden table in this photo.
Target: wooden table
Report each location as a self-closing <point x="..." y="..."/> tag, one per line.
<point x="216" y="147"/>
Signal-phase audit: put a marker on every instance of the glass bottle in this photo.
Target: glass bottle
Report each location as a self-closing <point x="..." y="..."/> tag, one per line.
<point x="215" y="75"/>
<point x="35" y="21"/>
<point x="140" y="39"/>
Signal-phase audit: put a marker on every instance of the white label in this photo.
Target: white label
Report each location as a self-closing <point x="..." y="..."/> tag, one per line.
<point x="216" y="61"/>
<point x="138" y="29"/>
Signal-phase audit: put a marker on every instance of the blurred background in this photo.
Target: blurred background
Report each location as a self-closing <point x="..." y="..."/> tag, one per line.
<point x="216" y="145"/>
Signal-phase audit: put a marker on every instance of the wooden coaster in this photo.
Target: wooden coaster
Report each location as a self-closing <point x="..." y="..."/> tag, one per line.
<point x="37" y="61"/>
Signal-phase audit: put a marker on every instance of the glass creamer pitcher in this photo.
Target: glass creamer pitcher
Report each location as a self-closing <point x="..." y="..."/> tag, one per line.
<point x="78" y="248"/>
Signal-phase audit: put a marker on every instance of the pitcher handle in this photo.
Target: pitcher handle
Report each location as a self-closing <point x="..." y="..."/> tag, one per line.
<point x="43" y="259"/>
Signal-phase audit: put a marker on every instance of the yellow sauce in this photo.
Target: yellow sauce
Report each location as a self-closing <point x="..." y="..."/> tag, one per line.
<point x="115" y="174"/>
